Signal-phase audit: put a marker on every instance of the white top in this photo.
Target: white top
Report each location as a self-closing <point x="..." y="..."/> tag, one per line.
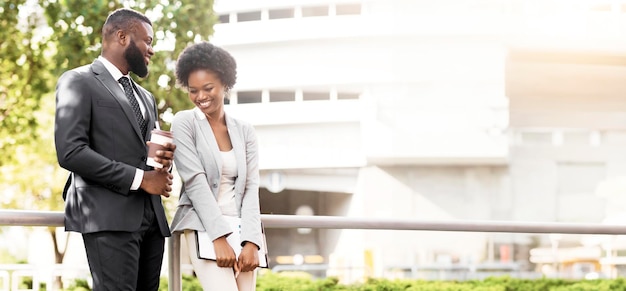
<point x="226" y="197"/>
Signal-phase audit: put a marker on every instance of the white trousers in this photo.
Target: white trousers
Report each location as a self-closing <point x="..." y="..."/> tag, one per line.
<point x="214" y="278"/>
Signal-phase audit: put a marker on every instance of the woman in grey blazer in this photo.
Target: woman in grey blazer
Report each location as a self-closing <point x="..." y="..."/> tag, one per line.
<point x="217" y="159"/>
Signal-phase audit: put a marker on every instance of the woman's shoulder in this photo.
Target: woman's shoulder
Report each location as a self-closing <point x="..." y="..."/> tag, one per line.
<point x="185" y="112"/>
<point x="183" y="119"/>
<point x="239" y="122"/>
<point x="183" y="115"/>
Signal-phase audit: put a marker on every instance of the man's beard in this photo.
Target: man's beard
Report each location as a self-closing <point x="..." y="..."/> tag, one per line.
<point x="135" y="60"/>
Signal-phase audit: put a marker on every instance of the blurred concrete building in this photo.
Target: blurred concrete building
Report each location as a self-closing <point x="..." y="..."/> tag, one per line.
<point x="447" y="109"/>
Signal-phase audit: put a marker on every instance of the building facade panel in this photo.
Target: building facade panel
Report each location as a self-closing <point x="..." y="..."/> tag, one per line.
<point x="507" y="110"/>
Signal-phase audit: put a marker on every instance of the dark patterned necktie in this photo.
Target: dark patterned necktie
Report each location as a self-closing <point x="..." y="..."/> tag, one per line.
<point x="128" y="90"/>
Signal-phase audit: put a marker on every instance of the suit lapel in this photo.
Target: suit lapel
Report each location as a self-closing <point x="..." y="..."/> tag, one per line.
<point x="114" y="88"/>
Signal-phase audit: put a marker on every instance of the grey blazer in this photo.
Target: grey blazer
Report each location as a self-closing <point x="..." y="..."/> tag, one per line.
<point x="199" y="165"/>
<point x="98" y="139"/>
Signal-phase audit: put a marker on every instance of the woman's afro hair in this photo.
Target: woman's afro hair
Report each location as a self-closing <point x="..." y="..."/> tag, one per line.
<point x="205" y="56"/>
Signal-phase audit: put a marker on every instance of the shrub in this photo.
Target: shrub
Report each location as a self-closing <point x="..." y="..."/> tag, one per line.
<point x="270" y="281"/>
<point x="79" y="285"/>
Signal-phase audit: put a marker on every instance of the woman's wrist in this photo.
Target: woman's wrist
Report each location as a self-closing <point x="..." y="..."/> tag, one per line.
<point x="250" y="243"/>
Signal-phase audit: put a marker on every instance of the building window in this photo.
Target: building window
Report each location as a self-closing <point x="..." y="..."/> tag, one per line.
<point x="281" y="96"/>
<point x="256" y="96"/>
<point x="244" y="97"/>
<point x="345" y="96"/>
<point x="577" y="138"/>
<point x="249" y="16"/>
<point x="348" y="9"/>
<point x="308" y="96"/>
<point x="536" y="138"/>
<point x="313" y="11"/>
<point x="280" y="13"/>
<point x="224" y="18"/>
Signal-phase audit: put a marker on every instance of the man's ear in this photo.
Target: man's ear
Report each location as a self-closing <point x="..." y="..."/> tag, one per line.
<point x="122" y="37"/>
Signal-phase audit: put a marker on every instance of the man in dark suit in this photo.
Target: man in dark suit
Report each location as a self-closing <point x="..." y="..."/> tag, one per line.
<point x="103" y="120"/>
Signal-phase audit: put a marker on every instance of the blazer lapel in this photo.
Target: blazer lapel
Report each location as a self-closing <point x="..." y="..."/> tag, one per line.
<point x="209" y="138"/>
<point x="116" y="91"/>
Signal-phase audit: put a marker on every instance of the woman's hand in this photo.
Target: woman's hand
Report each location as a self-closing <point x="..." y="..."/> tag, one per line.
<point x="249" y="257"/>
<point x="224" y="253"/>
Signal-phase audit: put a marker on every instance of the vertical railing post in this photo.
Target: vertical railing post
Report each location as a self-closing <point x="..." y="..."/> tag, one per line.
<point x="175" y="277"/>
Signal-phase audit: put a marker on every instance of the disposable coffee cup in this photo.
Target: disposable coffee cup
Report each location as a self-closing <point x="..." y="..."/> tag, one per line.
<point x="157" y="142"/>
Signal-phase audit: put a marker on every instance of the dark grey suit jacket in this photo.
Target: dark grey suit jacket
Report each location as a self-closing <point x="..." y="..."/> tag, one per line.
<point x="98" y="140"/>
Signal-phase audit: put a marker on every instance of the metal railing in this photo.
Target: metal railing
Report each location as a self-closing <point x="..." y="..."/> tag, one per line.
<point x="53" y="218"/>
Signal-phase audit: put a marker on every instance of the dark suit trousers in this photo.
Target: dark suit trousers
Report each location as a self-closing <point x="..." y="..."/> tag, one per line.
<point x="127" y="261"/>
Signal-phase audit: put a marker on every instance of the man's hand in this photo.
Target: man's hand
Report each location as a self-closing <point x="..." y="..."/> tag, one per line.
<point x="157" y="182"/>
<point x="165" y="156"/>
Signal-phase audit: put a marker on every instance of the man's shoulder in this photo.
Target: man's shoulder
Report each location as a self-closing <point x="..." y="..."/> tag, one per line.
<point x="82" y="69"/>
<point x="78" y="73"/>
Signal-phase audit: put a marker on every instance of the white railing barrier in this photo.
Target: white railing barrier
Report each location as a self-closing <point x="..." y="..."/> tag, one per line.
<point x="53" y="218"/>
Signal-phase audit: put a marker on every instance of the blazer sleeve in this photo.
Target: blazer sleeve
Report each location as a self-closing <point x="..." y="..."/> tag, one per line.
<point x="76" y="106"/>
<point x="250" y="205"/>
<point x="194" y="175"/>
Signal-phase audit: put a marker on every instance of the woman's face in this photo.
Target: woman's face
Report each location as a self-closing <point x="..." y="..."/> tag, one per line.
<point x="207" y="92"/>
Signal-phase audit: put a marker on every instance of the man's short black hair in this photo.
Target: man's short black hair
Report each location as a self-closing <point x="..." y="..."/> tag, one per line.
<point x="124" y="19"/>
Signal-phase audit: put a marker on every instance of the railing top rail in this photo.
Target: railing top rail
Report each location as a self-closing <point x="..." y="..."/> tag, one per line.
<point x="55" y="218"/>
<point x="14" y="217"/>
<point x="339" y="222"/>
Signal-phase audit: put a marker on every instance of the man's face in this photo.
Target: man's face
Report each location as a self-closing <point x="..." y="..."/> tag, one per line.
<point x="138" y="53"/>
<point x="135" y="60"/>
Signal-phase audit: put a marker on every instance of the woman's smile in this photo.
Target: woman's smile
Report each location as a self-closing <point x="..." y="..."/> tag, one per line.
<point x="204" y="104"/>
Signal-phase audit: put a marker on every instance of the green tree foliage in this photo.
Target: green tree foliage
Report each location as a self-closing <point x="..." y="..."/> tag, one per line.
<point x="24" y="74"/>
<point x="77" y="30"/>
<point x="77" y="26"/>
<point x="41" y="40"/>
<point x="178" y="25"/>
